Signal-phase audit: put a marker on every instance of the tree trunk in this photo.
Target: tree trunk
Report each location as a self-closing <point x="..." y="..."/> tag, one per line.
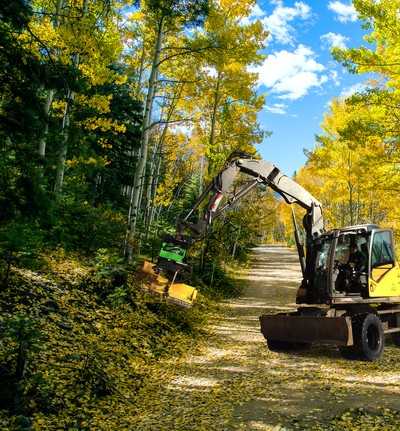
<point x="214" y="111"/>
<point x="141" y="69"/>
<point x="149" y="182"/>
<point x="236" y="243"/>
<point x="62" y="155"/>
<point x="49" y="101"/>
<point x="214" y="116"/>
<point x="350" y="188"/>
<point x="154" y="187"/>
<point x="43" y="139"/>
<point x="140" y="169"/>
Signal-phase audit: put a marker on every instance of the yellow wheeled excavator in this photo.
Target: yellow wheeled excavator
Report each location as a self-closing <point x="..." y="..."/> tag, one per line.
<point x="350" y="292"/>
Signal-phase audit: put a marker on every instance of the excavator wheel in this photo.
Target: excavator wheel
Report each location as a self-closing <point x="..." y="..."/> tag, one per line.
<point x="369" y="339"/>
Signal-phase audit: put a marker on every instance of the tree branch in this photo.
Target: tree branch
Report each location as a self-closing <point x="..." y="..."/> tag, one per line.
<point x="188" y="51"/>
<point x="179" y="120"/>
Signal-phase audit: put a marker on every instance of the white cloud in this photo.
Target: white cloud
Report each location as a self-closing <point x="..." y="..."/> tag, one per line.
<point x="277" y="108"/>
<point x="349" y="91"/>
<point x="334" y="76"/>
<point x="335" y="40"/>
<point x="291" y="75"/>
<point x="255" y="13"/>
<point x="278" y="22"/>
<point x="345" y="11"/>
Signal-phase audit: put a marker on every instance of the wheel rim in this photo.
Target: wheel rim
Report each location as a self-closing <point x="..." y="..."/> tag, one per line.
<point x="373" y="338"/>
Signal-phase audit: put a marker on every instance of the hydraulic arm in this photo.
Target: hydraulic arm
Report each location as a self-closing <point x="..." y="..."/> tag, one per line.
<point x="265" y="173"/>
<point x="221" y="188"/>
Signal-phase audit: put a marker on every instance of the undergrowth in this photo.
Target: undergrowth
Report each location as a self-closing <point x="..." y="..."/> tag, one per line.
<point x="80" y="340"/>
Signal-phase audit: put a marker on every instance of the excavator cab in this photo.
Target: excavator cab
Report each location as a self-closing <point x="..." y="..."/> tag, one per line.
<point x="354" y="262"/>
<point x="342" y="263"/>
<point x="350" y="263"/>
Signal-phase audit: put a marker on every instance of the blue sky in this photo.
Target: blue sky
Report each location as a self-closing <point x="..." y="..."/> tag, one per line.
<point x="299" y="75"/>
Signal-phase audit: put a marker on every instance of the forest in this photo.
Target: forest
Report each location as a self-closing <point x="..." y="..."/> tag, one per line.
<point x="114" y="116"/>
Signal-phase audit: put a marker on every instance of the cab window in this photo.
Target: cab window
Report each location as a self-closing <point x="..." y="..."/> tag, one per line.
<point x="342" y="250"/>
<point x="382" y="249"/>
<point x="323" y="254"/>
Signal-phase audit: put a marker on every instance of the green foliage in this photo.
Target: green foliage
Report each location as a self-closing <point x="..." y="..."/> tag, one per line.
<point x="215" y="282"/>
<point x="21" y="238"/>
<point x="106" y="261"/>
<point x="22" y="330"/>
<point x="20" y="243"/>
<point x="25" y="339"/>
<point x="118" y="297"/>
<point x="111" y="273"/>
<point x="82" y="226"/>
<point x="21" y="342"/>
<point x="192" y="11"/>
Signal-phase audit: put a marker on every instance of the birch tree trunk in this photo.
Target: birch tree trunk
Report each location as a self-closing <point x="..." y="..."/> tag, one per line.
<point x="49" y="100"/>
<point x="141" y="69"/>
<point x="149" y="182"/>
<point x="214" y="116"/>
<point x="141" y="166"/>
<point x="43" y="139"/>
<point x="62" y="155"/>
<point x="350" y="188"/>
<point x="214" y="111"/>
<point x="154" y="187"/>
<point x="201" y="175"/>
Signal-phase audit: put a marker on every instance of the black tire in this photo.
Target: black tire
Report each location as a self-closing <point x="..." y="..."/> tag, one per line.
<point x="396" y="339"/>
<point x="286" y="346"/>
<point x="369" y="338"/>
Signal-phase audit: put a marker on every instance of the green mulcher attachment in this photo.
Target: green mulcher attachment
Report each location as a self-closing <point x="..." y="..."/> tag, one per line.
<point x="163" y="278"/>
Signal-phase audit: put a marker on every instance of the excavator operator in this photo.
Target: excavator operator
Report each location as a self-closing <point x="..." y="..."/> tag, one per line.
<point x="357" y="259"/>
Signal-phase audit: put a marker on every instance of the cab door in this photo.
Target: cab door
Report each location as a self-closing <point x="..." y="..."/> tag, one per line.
<point x="384" y="273"/>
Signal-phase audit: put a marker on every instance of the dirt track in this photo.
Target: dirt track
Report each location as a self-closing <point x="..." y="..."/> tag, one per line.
<point x="235" y="382"/>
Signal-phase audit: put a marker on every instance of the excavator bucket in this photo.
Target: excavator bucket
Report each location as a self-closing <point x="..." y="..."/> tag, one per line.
<point x="155" y="283"/>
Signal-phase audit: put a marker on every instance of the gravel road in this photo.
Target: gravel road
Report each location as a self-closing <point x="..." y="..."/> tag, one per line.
<point x="236" y="383"/>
